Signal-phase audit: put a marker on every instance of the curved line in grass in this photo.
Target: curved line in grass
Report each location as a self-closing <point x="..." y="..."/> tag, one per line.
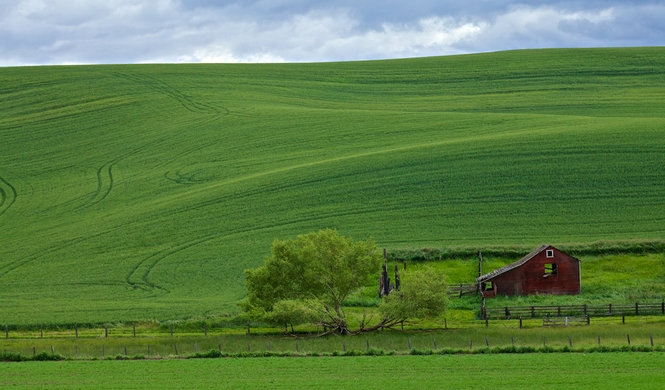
<point x="14" y="265"/>
<point x="378" y="152"/>
<point x="167" y="89"/>
<point x="42" y="252"/>
<point x="7" y="198"/>
<point x="151" y="262"/>
<point x="105" y="172"/>
<point x="103" y="190"/>
<point x="104" y="193"/>
<point x="3" y="199"/>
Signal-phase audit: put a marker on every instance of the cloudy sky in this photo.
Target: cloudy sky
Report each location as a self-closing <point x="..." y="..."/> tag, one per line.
<point x="36" y="32"/>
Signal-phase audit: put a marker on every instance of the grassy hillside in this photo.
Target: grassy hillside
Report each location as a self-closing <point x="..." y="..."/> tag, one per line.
<point x="144" y="191"/>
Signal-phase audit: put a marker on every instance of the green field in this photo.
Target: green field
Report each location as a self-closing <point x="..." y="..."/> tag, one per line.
<point x="546" y="371"/>
<point x="140" y="192"/>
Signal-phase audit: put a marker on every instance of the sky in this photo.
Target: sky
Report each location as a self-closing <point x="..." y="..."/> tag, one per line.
<point x="56" y="32"/>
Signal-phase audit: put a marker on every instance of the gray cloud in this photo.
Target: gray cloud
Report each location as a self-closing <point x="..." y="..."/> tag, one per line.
<point x="131" y="31"/>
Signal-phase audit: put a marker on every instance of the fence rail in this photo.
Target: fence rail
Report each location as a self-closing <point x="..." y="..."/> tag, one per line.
<point x="508" y="312"/>
<point x="460" y="289"/>
<point x="565" y="321"/>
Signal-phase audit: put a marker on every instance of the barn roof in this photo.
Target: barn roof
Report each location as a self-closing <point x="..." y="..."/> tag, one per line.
<point x="512" y="266"/>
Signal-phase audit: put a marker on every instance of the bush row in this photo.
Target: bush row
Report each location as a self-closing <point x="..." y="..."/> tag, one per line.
<point x="516" y="252"/>
<point x="41" y="357"/>
<point x="215" y="354"/>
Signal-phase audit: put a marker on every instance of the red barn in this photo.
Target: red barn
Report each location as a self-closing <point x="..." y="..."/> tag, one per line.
<point x="546" y="270"/>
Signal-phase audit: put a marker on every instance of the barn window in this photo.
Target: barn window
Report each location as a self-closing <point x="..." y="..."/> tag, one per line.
<point x="549" y="253"/>
<point x="550" y="269"/>
<point x="487" y="286"/>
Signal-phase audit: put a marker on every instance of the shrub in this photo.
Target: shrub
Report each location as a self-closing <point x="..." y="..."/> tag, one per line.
<point x="11" y="357"/>
<point x="212" y="354"/>
<point x="47" y="357"/>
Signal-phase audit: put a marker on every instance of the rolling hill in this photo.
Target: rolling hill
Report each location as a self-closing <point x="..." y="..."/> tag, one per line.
<point x="132" y="192"/>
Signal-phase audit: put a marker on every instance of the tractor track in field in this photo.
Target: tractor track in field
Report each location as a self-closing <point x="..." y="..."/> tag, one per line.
<point x="150" y="262"/>
<point x="104" y="183"/>
<point x="105" y="179"/>
<point x="8" y="195"/>
<point x="160" y="86"/>
<point x="29" y="258"/>
<point x="145" y="267"/>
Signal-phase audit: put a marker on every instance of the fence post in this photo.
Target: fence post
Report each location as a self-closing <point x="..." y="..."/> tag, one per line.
<point x="533" y="311"/>
<point x="628" y="337"/>
<point x="637" y="309"/>
<point x="570" y="341"/>
<point x="662" y="307"/>
<point x="610" y="308"/>
<point x="520" y="322"/>
<point x="651" y="339"/>
<point x="106" y="330"/>
<point x="483" y="308"/>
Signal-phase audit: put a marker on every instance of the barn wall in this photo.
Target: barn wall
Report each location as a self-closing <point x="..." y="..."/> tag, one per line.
<point x="531" y="277"/>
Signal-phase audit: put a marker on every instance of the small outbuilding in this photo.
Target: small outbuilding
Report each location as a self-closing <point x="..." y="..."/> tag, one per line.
<point x="546" y="270"/>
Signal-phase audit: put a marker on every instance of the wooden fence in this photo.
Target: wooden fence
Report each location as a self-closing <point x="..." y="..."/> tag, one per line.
<point x="508" y="312"/>
<point x="460" y="289"/>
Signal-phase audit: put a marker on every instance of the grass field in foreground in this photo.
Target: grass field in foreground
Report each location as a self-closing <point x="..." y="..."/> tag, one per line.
<point x="142" y="192"/>
<point x="544" y="371"/>
<point x="460" y="337"/>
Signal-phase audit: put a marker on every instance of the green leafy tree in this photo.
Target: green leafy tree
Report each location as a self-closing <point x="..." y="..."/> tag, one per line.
<point x="319" y="270"/>
<point x="306" y="280"/>
<point x="293" y="312"/>
<point x="423" y="294"/>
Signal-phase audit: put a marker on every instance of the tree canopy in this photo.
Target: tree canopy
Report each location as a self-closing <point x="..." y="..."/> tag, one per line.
<point x="423" y="294"/>
<point x="307" y="280"/>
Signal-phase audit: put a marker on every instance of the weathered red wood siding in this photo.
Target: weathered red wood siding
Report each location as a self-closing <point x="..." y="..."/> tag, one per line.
<point x="531" y="278"/>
